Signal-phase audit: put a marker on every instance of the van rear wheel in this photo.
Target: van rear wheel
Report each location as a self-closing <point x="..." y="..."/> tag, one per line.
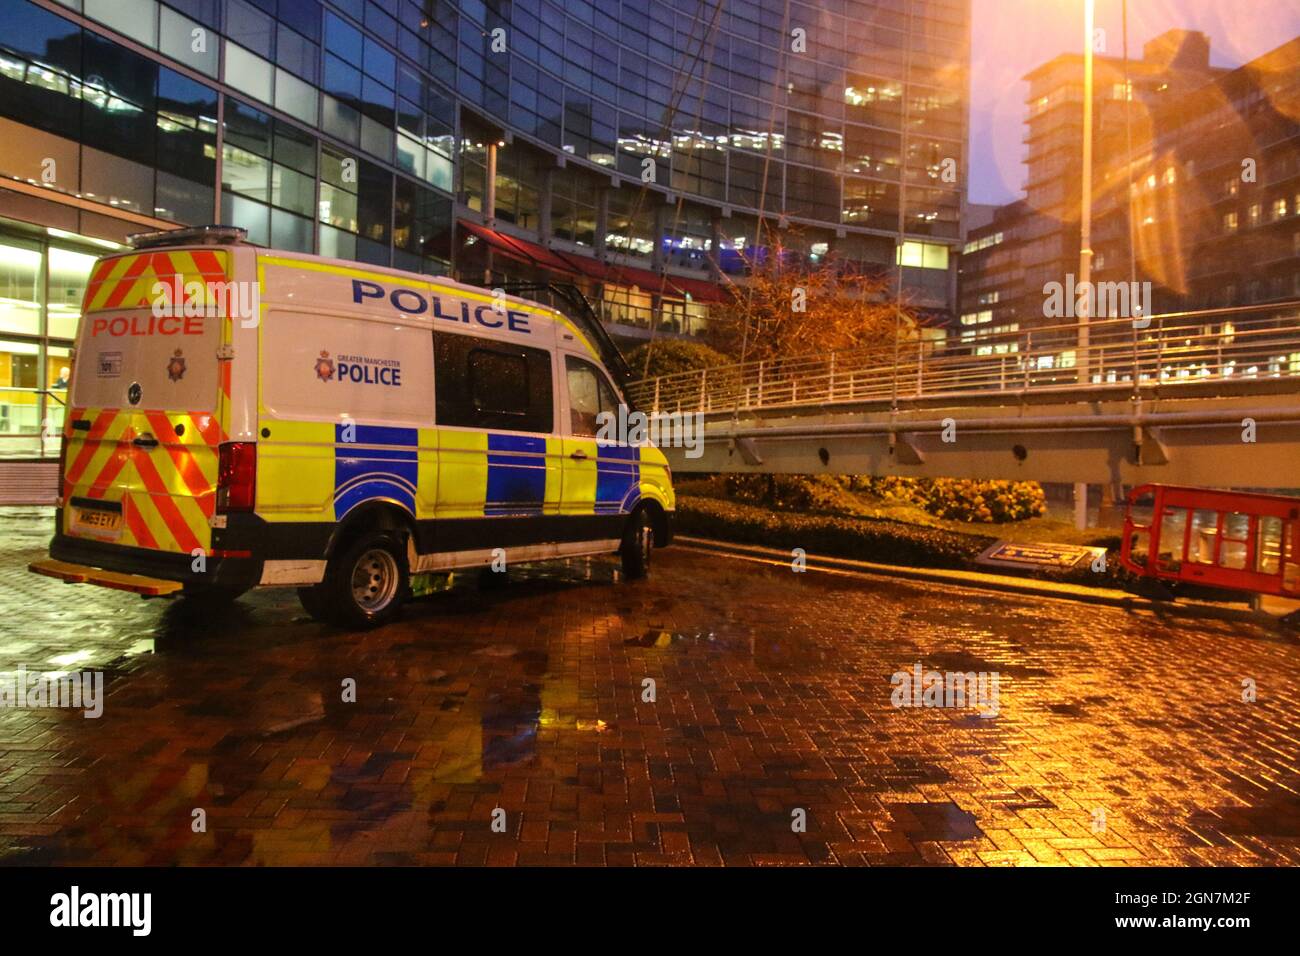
<point x="638" y="542"/>
<point x="366" y="583"/>
<point x="312" y="600"/>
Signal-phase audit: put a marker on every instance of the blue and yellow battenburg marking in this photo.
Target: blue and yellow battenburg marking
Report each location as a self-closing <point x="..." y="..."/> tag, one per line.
<point x="516" y="477"/>
<point x="618" y="479"/>
<point x="363" y="472"/>
<point x="383" y="462"/>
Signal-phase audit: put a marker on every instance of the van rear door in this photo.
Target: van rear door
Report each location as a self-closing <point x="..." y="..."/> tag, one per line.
<point x="148" y="402"/>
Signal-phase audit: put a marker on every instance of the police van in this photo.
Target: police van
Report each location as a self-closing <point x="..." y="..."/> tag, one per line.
<point x="241" y="417"/>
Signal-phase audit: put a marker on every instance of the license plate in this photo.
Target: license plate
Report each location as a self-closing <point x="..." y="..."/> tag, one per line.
<point x="97" y="521"/>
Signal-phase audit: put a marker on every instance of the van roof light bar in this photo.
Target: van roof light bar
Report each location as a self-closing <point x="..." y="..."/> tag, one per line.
<point x="190" y="236"/>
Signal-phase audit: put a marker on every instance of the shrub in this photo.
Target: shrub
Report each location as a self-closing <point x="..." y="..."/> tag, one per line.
<point x="670" y="356"/>
<point x="983" y="502"/>
<point x="790" y="492"/>
<point x="961" y="499"/>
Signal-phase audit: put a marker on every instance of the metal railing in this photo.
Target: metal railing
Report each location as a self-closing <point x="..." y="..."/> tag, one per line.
<point x="1208" y="345"/>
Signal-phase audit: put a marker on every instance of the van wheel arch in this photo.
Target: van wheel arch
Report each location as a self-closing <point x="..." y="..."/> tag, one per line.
<point x="376" y="516"/>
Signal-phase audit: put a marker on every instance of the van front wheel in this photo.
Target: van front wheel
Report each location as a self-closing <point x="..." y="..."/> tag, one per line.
<point x="638" y="542"/>
<point x="366" y="582"/>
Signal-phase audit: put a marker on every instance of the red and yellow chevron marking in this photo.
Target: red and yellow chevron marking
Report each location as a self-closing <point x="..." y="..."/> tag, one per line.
<point x="168" y="492"/>
<point x="126" y="282"/>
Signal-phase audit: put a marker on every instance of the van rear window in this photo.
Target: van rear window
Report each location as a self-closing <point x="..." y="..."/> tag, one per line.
<point x="165" y="362"/>
<point x="485" y="384"/>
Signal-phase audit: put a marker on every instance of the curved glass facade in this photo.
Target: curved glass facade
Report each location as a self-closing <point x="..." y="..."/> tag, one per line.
<point x="647" y="135"/>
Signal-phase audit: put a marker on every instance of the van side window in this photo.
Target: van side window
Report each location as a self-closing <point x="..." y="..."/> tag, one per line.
<point x="498" y="383"/>
<point x="484" y="384"/>
<point x="589" y="395"/>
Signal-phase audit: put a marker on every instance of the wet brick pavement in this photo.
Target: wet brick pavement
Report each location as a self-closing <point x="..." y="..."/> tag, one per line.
<point x="773" y="694"/>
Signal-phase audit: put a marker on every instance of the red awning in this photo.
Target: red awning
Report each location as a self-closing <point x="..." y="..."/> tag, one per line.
<point x="643" y="279"/>
<point x="519" y="249"/>
<point x="667" y="284"/>
<point x="584" y="265"/>
<point x="533" y="254"/>
<point x="700" y="290"/>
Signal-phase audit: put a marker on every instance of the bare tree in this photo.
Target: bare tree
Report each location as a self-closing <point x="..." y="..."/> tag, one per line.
<point x="792" y="307"/>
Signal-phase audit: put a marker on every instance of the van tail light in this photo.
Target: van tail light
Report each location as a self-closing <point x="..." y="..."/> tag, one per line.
<point x="236" y="476"/>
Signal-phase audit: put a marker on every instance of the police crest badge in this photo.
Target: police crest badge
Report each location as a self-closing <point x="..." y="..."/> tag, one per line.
<point x="176" y="367"/>
<point x="324" y="367"/>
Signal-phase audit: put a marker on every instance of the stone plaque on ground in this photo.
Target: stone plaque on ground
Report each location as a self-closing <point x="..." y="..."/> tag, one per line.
<point x="1037" y="555"/>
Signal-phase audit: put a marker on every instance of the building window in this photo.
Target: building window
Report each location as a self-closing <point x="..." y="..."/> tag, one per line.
<point x="626" y="306"/>
<point x="922" y="255"/>
<point x="1230" y="222"/>
<point x="69" y="273"/>
<point x="518" y="198"/>
<point x="684" y="317"/>
<point x="20" y="286"/>
<point x="1279" y="208"/>
<point x="573" y="207"/>
<point x="338" y="193"/>
<point x="631" y="224"/>
<point x="473" y="165"/>
<point x="36" y="337"/>
<point x="137" y="19"/>
<point x="1252" y="214"/>
<point x="422" y="223"/>
<point x="975" y="245"/>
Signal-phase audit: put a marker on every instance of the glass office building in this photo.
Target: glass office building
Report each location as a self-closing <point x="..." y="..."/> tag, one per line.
<point x="632" y="147"/>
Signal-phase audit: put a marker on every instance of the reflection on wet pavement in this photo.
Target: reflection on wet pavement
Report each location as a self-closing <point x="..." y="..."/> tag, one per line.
<point x="772" y="694"/>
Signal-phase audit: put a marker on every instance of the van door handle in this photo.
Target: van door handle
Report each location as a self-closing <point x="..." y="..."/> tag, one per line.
<point x="579" y="456"/>
<point x="145" y="441"/>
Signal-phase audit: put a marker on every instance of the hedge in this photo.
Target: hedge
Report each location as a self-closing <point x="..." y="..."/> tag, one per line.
<point x="864" y="539"/>
<point x="879" y="540"/>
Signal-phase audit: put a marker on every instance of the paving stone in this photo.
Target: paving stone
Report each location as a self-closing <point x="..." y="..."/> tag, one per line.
<point x="773" y="694"/>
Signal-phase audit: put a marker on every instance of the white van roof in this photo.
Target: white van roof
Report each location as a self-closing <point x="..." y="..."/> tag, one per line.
<point x="391" y="294"/>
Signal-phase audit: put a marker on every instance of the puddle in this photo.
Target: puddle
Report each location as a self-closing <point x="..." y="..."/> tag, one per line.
<point x="934" y="821"/>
